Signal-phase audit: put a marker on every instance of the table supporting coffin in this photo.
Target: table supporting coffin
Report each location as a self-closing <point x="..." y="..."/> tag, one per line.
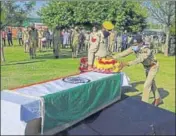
<point x="53" y="93"/>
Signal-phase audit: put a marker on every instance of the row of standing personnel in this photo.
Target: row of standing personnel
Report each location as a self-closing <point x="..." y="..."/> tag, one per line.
<point x="78" y="39"/>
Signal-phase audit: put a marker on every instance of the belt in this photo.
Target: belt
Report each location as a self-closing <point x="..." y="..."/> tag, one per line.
<point x="152" y="64"/>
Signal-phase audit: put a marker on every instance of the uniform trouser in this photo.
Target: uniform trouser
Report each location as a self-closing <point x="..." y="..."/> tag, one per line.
<point x="26" y="46"/>
<point x="80" y="46"/>
<point x="74" y="50"/>
<point x="10" y="41"/>
<point x="20" y="41"/>
<point x="32" y="48"/>
<point x="119" y="48"/>
<point x="124" y="46"/>
<point x="150" y="84"/>
<point x="50" y="43"/>
<point x="91" y="57"/>
<point x="111" y="47"/>
<point x="4" y="41"/>
<point x="56" y="48"/>
<point x="40" y="44"/>
<point x="86" y="46"/>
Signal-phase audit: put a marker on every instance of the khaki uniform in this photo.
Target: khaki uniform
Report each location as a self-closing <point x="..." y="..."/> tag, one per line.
<point x="119" y="43"/>
<point x="87" y="41"/>
<point x="40" y="36"/>
<point x="98" y="49"/>
<point x="75" y="42"/>
<point x="94" y="45"/>
<point x="111" y="42"/>
<point x="33" y="40"/>
<point x="56" y="42"/>
<point x="151" y="66"/>
<point x="26" y="40"/>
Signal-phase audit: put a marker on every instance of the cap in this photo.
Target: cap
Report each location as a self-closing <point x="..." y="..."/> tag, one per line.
<point x="108" y="25"/>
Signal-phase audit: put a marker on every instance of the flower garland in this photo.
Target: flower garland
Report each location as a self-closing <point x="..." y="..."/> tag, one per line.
<point x="102" y="65"/>
<point x="83" y="64"/>
<point x="105" y="65"/>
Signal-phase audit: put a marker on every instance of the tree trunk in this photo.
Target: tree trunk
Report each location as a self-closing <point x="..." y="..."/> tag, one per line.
<point x="2" y="52"/>
<point x="166" y="49"/>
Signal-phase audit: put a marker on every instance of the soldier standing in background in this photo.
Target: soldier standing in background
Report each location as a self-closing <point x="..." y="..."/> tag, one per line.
<point x="129" y="40"/>
<point x="40" y="36"/>
<point x="119" y="42"/>
<point x="50" y="39"/>
<point x="33" y="40"/>
<point x="124" y="41"/>
<point x="20" y="36"/>
<point x="75" y="42"/>
<point x="9" y="37"/>
<point x="56" y="41"/>
<point x="46" y="34"/>
<point x="112" y="41"/>
<point x="145" y="56"/>
<point x="26" y="39"/>
<point x="87" y="40"/>
<point x="81" y="40"/>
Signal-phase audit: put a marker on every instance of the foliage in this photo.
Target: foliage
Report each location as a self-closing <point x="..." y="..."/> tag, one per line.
<point x="14" y="14"/>
<point x="163" y="11"/>
<point x="172" y="28"/>
<point x="125" y="15"/>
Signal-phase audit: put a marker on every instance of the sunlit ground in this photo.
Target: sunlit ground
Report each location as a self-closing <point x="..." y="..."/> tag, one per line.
<point x="19" y="70"/>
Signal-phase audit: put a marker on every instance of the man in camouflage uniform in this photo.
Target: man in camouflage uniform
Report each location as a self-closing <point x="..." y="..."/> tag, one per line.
<point x="145" y="56"/>
<point x="33" y="40"/>
<point x="75" y="42"/>
<point x="56" y="41"/>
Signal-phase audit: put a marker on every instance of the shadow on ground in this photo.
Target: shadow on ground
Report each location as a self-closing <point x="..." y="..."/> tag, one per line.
<point x="164" y="93"/>
<point x="23" y="62"/>
<point x="65" y="54"/>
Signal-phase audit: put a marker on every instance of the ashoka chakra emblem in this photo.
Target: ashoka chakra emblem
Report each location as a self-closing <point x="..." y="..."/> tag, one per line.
<point x="76" y="80"/>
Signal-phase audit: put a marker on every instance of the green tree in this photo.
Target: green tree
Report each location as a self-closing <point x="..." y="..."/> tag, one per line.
<point x="128" y="15"/>
<point x="14" y="14"/>
<point x="164" y="13"/>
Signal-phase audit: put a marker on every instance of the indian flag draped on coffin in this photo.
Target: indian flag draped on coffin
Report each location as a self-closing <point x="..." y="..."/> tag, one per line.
<point x="73" y="99"/>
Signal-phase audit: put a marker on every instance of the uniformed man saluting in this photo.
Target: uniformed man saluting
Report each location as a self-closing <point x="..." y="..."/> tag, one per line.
<point x="145" y="56"/>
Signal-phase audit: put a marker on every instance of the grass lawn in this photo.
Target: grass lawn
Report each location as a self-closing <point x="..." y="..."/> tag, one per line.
<point x="19" y="70"/>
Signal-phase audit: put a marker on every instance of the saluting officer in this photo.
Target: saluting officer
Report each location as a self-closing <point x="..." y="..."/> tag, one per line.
<point x="33" y="40"/>
<point x="145" y="56"/>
